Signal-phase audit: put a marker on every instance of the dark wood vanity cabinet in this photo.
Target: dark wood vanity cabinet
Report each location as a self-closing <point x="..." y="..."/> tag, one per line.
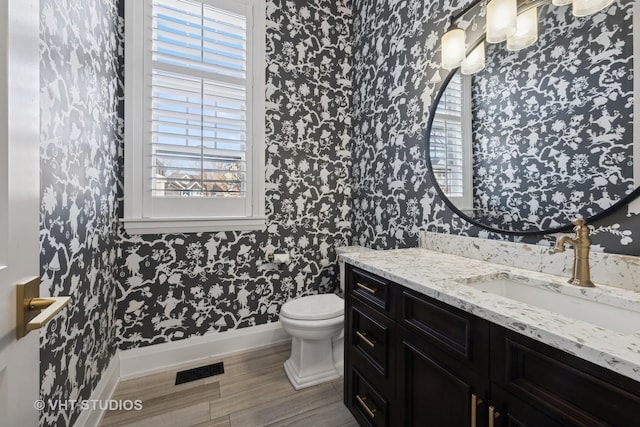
<point x="569" y="390"/>
<point x="370" y="335"/>
<point x="411" y="360"/>
<point x="433" y="389"/>
<point x="442" y="365"/>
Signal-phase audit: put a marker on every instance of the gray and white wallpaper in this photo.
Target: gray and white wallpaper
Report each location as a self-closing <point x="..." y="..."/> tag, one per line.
<point x="553" y="123"/>
<point x="175" y="286"/>
<point x="81" y="133"/>
<point x="348" y="96"/>
<point x="396" y="78"/>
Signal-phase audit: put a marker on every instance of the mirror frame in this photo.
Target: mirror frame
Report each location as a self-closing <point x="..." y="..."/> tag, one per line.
<point x="610" y="210"/>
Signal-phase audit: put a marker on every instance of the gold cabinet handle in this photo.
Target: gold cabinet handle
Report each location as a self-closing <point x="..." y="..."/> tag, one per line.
<point x="366" y="340"/>
<point x="33" y="312"/>
<point x="366" y="288"/>
<point x="475" y="402"/>
<point x="363" y="405"/>
<point x="493" y="415"/>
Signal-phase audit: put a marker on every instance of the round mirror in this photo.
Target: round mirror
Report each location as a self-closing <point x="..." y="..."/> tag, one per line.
<point x="543" y="134"/>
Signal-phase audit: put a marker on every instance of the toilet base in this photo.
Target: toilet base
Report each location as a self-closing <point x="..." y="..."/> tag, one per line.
<point x="310" y="363"/>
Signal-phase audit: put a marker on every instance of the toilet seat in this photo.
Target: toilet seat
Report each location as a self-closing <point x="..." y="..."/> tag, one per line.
<point x="314" y="307"/>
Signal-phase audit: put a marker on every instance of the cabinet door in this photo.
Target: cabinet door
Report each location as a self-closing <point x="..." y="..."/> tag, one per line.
<point x="509" y="411"/>
<point x="571" y="390"/>
<point x="432" y="391"/>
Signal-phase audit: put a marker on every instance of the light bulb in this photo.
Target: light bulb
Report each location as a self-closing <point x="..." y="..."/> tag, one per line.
<point x="475" y="61"/>
<point x="588" y="7"/>
<point x="501" y="20"/>
<point x="453" y="48"/>
<point x="526" y="30"/>
<point x="561" y="2"/>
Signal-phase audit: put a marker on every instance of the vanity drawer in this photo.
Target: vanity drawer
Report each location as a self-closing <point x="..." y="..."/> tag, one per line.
<point x="371" y="337"/>
<point x="367" y="404"/>
<point x="571" y="389"/>
<point x="371" y="289"/>
<point x="453" y="331"/>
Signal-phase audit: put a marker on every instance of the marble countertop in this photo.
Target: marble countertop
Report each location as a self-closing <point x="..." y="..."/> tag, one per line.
<point x="443" y="277"/>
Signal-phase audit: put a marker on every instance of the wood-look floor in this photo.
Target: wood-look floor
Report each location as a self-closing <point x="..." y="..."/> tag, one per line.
<point x="253" y="391"/>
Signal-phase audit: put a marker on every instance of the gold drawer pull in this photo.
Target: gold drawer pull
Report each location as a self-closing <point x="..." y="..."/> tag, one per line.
<point x="475" y="402"/>
<point x="366" y="288"/>
<point x="366" y="340"/>
<point x="493" y="415"/>
<point x="363" y="405"/>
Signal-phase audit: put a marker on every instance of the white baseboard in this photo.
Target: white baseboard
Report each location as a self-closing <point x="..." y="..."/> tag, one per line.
<point x="103" y="391"/>
<point x="148" y="360"/>
<point x="142" y="361"/>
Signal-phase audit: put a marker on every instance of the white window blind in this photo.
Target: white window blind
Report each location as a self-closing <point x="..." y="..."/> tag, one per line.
<point x="194" y="115"/>
<point x="447" y="143"/>
<point x="198" y="104"/>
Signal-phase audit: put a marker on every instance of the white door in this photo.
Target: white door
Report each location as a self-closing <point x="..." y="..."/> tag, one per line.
<point x="19" y="204"/>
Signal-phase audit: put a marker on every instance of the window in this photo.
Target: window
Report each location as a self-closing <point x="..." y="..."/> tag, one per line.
<point x="194" y="115"/>
<point x="450" y="142"/>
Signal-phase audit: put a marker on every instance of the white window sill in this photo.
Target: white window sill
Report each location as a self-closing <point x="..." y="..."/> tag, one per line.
<point x="192" y="225"/>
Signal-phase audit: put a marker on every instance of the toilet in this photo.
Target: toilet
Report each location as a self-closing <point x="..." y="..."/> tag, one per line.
<point x="316" y="326"/>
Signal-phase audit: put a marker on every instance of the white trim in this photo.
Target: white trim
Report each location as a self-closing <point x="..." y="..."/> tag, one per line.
<point x="103" y="391"/>
<point x="192" y="225"/>
<point x="634" y="207"/>
<point x="467" y="146"/>
<point x="143" y="361"/>
<point x="133" y="109"/>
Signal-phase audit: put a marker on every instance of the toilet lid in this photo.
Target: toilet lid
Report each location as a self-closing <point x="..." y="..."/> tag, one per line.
<point x="314" y="307"/>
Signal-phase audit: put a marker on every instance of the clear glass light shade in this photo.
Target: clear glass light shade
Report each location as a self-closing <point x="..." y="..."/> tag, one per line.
<point x="475" y="62"/>
<point x="588" y="7"/>
<point x="501" y="20"/>
<point x="453" y="48"/>
<point x="561" y="2"/>
<point x="526" y="30"/>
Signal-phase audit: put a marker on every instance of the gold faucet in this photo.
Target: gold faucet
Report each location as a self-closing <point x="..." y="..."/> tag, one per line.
<point x="581" y="244"/>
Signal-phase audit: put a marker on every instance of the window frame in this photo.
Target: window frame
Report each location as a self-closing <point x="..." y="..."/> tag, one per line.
<point x="140" y="217"/>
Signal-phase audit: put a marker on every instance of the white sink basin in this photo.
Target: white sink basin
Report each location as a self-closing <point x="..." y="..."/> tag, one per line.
<point x="568" y="300"/>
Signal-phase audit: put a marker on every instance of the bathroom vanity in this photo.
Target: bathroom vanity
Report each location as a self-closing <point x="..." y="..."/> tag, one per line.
<point x="423" y="347"/>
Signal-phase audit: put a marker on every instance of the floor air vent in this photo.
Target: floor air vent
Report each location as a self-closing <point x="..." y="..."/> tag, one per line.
<point x="199" y="373"/>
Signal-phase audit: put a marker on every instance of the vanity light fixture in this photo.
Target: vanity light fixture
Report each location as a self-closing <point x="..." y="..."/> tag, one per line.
<point x="588" y="7"/>
<point x="527" y="30"/>
<point x="475" y="61"/>
<point x="502" y="17"/>
<point x="503" y="22"/>
<point x="453" y="48"/>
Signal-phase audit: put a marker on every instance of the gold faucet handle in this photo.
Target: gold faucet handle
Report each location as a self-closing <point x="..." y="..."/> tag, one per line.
<point x="581" y="229"/>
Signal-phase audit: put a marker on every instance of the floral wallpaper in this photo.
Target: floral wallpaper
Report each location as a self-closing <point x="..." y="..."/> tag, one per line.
<point x="81" y="133"/>
<point x="554" y="137"/>
<point x="396" y="76"/>
<point x="349" y="88"/>
<point x="175" y="286"/>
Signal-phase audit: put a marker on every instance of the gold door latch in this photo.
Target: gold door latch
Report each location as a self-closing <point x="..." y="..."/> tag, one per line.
<point x="33" y="312"/>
